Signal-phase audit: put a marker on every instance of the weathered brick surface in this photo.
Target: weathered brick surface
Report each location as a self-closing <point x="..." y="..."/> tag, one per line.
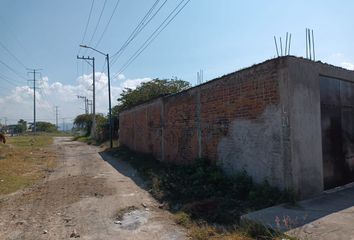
<point x="241" y="95"/>
<point x="168" y="127"/>
<point x="142" y="128"/>
<point x="265" y="119"/>
<point x="180" y="133"/>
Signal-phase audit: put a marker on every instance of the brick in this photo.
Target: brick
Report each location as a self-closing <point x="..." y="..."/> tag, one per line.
<point x="168" y="127"/>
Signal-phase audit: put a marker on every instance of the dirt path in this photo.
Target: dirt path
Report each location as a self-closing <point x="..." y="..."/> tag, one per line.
<point x="83" y="195"/>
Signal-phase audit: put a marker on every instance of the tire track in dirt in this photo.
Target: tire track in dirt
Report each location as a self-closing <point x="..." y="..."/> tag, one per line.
<point x="84" y="193"/>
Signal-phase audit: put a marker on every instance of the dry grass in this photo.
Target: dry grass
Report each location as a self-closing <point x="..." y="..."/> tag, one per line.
<point x="121" y="212"/>
<point x="202" y="231"/>
<point x="23" y="160"/>
<point x="204" y="200"/>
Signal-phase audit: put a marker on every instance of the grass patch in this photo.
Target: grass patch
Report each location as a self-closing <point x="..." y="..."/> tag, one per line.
<point x="85" y="139"/>
<point x="90" y="141"/>
<point x="23" y="160"/>
<point x="205" y="200"/>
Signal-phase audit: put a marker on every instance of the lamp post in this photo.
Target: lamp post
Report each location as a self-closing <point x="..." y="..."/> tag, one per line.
<point x="109" y="92"/>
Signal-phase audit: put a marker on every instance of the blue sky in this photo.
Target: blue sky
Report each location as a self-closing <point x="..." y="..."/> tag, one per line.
<point x="216" y="36"/>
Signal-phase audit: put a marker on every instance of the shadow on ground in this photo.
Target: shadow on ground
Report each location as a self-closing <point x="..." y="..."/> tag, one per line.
<point x="123" y="167"/>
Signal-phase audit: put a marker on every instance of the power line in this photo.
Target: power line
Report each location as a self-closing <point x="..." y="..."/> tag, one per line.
<point x="45" y="96"/>
<point x="154" y="35"/>
<point x="17" y="39"/>
<point x="13" y="55"/>
<point x="6" y="88"/>
<point x="98" y="23"/>
<point x="138" y="29"/>
<point x="11" y="79"/>
<point x="109" y="21"/>
<point x="8" y="80"/>
<point x="12" y="70"/>
<point x="87" y="23"/>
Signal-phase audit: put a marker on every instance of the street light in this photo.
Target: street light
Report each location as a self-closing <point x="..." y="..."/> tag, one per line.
<point x="109" y="92"/>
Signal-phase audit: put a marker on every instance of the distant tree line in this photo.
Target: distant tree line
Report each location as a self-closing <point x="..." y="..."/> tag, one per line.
<point x="22" y="126"/>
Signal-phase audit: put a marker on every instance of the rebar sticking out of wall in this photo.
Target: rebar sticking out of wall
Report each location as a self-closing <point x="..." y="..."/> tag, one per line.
<point x="200" y="77"/>
<point x="310" y="44"/>
<point x="284" y="51"/>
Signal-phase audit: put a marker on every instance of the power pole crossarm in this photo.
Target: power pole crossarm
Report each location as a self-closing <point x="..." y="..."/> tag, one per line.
<point x="34" y="71"/>
<point x="109" y="90"/>
<point x="93" y="129"/>
<point x="85" y="101"/>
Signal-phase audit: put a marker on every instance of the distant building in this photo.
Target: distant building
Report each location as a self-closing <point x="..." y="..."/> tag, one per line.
<point x="10" y="129"/>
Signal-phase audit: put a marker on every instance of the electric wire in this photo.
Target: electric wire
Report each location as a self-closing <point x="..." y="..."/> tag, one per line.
<point x="107" y="25"/>
<point x="98" y="23"/>
<point x="137" y="30"/>
<point x="137" y="27"/>
<point x="121" y="52"/>
<point x="13" y="81"/>
<point x="17" y="39"/>
<point x="5" y="88"/>
<point x="13" y="55"/>
<point x="154" y="35"/>
<point x="8" y="81"/>
<point x="87" y="23"/>
<point x="12" y="70"/>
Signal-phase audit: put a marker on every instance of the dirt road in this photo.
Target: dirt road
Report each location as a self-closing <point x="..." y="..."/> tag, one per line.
<point x="82" y="198"/>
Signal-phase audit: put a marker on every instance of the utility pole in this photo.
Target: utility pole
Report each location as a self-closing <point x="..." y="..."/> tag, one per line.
<point x="56" y="117"/>
<point x="85" y="100"/>
<point x="86" y="106"/>
<point x="93" y="130"/>
<point x="110" y="108"/>
<point x="34" y="71"/>
<point x="109" y="92"/>
<point x="63" y="119"/>
<point x="89" y="105"/>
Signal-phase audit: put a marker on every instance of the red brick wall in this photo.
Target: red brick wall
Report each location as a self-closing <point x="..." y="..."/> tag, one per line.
<point x="180" y="132"/>
<point x="142" y="128"/>
<point x="174" y="119"/>
<point x="241" y="95"/>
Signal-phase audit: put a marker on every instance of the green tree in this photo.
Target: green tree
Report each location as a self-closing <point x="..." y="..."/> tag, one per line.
<point x="147" y="91"/>
<point x="21" y="126"/>
<point x="84" y="122"/>
<point x="46" y="127"/>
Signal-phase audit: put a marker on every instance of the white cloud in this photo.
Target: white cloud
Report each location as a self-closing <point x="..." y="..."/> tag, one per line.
<point x="120" y="77"/>
<point x="18" y="103"/>
<point x="132" y="83"/>
<point x="347" y="65"/>
<point x="340" y="59"/>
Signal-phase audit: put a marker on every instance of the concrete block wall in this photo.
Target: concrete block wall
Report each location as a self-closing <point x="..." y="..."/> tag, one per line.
<point x="301" y="99"/>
